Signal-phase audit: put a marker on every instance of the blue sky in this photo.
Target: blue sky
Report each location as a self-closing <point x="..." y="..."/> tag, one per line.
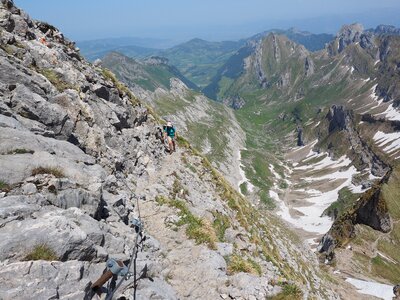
<point x="208" y="19"/>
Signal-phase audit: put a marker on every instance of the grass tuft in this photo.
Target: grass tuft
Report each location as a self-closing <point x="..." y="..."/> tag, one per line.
<point x="4" y="187"/>
<point x="55" y="171"/>
<point x="289" y="292"/>
<point x="221" y="224"/>
<point x="122" y="88"/>
<point x="198" y="229"/>
<point x="237" y="264"/>
<point x="42" y="252"/>
<point x="56" y="80"/>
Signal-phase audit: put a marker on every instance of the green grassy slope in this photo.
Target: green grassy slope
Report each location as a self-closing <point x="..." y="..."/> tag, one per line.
<point x="146" y="74"/>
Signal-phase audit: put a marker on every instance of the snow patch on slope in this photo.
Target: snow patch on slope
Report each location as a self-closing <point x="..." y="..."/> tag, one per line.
<point x="391" y="114"/>
<point x="382" y="291"/>
<point x="326" y="177"/>
<point x="250" y="187"/>
<point x="391" y="141"/>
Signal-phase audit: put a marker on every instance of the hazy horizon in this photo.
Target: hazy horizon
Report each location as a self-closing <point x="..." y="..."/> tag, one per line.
<point x="178" y="20"/>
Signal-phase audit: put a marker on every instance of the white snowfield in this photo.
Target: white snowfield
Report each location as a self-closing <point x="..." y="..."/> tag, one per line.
<point x="244" y="179"/>
<point x="391" y="141"/>
<point x="326" y="163"/>
<point x="309" y="217"/>
<point x="391" y="113"/>
<point x="380" y="290"/>
<point x="311" y="221"/>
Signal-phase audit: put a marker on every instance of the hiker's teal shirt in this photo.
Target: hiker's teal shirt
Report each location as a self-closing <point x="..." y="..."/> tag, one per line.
<point x="170" y="131"/>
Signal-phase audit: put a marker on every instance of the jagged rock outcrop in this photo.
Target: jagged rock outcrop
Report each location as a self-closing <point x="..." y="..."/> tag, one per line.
<point x="300" y="137"/>
<point x="339" y="118"/>
<point x="258" y="65"/>
<point x="351" y="34"/>
<point x="309" y="66"/>
<point x="370" y="210"/>
<point x="236" y="102"/>
<point x="389" y="71"/>
<point x="342" y="119"/>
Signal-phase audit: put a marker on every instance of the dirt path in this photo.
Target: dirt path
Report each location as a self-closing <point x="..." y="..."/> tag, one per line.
<point x="192" y="270"/>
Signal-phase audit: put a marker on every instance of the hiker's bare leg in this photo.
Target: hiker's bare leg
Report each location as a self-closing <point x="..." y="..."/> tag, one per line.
<point x="171" y="146"/>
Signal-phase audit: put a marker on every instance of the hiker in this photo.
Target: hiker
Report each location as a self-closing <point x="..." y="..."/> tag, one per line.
<point x="170" y="135"/>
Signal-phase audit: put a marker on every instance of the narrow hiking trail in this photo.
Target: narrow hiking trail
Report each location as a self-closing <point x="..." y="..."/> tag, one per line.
<point x="189" y="268"/>
<point x="156" y="173"/>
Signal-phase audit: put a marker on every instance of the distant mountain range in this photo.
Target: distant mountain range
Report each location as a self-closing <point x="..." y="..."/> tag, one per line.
<point x="197" y="59"/>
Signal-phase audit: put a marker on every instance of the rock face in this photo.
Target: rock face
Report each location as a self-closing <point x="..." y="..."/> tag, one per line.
<point x="235" y="102"/>
<point x="342" y="120"/>
<point x="300" y="138"/>
<point x="78" y="154"/>
<point x="388" y="86"/>
<point x="350" y="35"/>
<point x="339" y="118"/>
<point x="370" y="210"/>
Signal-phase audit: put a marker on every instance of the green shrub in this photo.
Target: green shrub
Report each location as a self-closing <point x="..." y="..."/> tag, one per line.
<point x="283" y="184"/>
<point x="42" y="252"/>
<point x="201" y="231"/>
<point x="243" y="188"/>
<point x="267" y="200"/>
<point x="57" y="172"/>
<point x="292" y="289"/>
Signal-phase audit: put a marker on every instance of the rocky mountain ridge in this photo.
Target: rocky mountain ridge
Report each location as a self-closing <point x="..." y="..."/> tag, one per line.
<point x="79" y="152"/>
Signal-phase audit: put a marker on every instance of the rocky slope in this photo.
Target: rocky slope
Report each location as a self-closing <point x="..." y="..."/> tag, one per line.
<point x="211" y="127"/>
<point x="80" y="154"/>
